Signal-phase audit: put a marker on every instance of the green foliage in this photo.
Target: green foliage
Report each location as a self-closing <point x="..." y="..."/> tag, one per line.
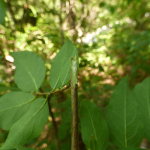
<point x="60" y="70"/>
<point x="30" y="71"/>
<point x="18" y="147"/>
<point x="130" y="148"/>
<point x="93" y="144"/>
<point x="64" y="129"/>
<point x="11" y="104"/>
<point x="123" y="117"/>
<point x="22" y="113"/>
<point x="142" y="94"/>
<point x="2" y="12"/>
<point x="4" y="88"/>
<point x="113" y="40"/>
<point x="27" y="117"/>
<point x="29" y="126"/>
<point x="93" y="124"/>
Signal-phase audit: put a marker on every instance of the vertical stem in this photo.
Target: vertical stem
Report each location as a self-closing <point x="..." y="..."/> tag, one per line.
<point x="61" y="23"/>
<point x="74" y="103"/>
<point x="54" y="124"/>
<point x="53" y="119"/>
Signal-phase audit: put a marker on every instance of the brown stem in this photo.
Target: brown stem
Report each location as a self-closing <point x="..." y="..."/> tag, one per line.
<point x="56" y="91"/>
<point x="74" y="105"/>
<point x="53" y="121"/>
<point x="54" y="124"/>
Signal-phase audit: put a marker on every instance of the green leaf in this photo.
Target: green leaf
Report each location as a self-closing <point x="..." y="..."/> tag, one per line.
<point x="93" y="124"/>
<point x="123" y="117"/>
<point x="13" y="106"/>
<point x="30" y="70"/>
<point x="18" y="147"/>
<point x="61" y="67"/>
<point x="142" y="94"/>
<point x="29" y="126"/>
<point x="130" y="148"/>
<point x="2" y="12"/>
<point x="93" y="144"/>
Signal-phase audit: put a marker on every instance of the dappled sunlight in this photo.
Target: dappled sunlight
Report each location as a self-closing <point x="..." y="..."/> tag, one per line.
<point x="9" y="58"/>
<point x="53" y="55"/>
<point x="109" y="81"/>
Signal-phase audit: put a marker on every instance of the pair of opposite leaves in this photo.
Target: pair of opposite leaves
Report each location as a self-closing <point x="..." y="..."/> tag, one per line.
<point x="21" y="112"/>
<point x="30" y="69"/>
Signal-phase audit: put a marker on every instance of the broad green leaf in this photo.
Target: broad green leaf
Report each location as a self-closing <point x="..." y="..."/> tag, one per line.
<point x="93" y="124"/>
<point x="60" y="72"/>
<point x="30" y="70"/>
<point x="142" y="94"/>
<point x="123" y="117"/>
<point x="130" y="148"/>
<point x="13" y="106"/>
<point x="93" y="144"/>
<point x="2" y="12"/>
<point x="29" y="126"/>
<point x="18" y="147"/>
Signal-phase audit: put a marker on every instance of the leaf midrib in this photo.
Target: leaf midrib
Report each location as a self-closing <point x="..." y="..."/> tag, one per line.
<point x="125" y="111"/>
<point x="18" y="105"/>
<point x="34" y="82"/>
<point x="59" y="73"/>
<point x="28" y="121"/>
<point x="148" y="100"/>
<point x="68" y="68"/>
<point x="91" y="121"/>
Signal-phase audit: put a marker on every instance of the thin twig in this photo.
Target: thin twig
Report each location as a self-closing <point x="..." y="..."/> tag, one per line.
<point x="56" y="91"/>
<point x="53" y="120"/>
<point x="54" y="124"/>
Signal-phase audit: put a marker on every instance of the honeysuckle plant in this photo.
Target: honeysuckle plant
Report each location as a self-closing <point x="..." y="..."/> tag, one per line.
<point x="24" y="113"/>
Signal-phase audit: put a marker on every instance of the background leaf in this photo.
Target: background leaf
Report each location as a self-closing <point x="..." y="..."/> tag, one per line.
<point x="130" y="148"/>
<point x="13" y="106"/>
<point x="4" y="88"/>
<point x="142" y="94"/>
<point x="123" y="118"/>
<point x="30" y="70"/>
<point x="29" y="126"/>
<point x="18" y="147"/>
<point x="61" y="67"/>
<point x="93" y="124"/>
<point x="2" y="12"/>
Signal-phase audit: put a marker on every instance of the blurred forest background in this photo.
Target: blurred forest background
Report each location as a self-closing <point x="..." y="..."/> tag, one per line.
<point x="112" y="38"/>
